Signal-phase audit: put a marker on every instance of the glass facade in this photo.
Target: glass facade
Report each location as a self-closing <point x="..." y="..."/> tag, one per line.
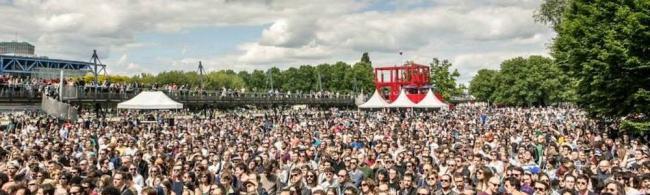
<point x="17" y="48"/>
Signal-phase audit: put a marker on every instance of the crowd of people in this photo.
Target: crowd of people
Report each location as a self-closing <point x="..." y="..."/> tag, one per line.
<point x="467" y="150"/>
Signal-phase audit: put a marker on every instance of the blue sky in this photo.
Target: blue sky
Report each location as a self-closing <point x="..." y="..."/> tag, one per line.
<point x="200" y="42"/>
<point x="160" y="35"/>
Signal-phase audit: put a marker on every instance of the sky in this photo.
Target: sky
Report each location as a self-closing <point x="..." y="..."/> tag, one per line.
<point x="151" y="36"/>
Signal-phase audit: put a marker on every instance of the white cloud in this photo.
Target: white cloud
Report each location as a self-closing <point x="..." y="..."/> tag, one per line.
<point x="472" y="34"/>
<point x="64" y="27"/>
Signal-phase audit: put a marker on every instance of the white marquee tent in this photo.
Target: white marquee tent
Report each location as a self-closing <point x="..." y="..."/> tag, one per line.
<point x="376" y="101"/>
<point x="150" y="100"/>
<point x="431" y="101"/>
<point x="402" y="101"/>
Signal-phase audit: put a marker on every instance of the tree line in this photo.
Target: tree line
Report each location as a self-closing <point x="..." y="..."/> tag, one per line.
<point x="600" y="61"/>
<point x="337" y="77"/>
<point x="531" y="81"/>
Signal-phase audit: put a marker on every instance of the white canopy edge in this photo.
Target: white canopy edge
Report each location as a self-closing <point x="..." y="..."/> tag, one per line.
<point x="150" y="100"/>
<point x="402" y="101"/>
<point x="376" y="101"/>
<point x="431" y="101"/>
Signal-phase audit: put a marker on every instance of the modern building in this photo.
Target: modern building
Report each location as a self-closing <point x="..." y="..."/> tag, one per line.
<point x="16" y="48"/>
<point x="18" y="58"/>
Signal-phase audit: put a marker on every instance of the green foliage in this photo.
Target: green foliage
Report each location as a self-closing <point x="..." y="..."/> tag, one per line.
<point x="257" y="81"/>
<point x="551" y="12"/>
<point x="604" y="45"/>
<point x="483" y="85"/>
<point x="89" y="78"/>
<point x="535" y="80"/>
<point x="443" y="80"/>
<point x="363" y="77"/>
<point x="635" y="126"/>
<point x="178" y="78"/>
<point x="339" y="77"/>
<point x="224" y="78"/>
<point x="365" y="58"/>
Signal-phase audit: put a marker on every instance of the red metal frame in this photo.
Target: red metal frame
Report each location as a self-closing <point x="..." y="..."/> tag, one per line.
<point x="415" y="76"/>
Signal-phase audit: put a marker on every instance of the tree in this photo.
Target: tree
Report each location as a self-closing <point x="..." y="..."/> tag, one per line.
<point x="308" y="76"/>
<point x="297" y="79"/>
<point x="224" y="78"/>
<point x="257" y="81"/>
<point x="605" y="46"/>
<point x="274" y="78"/>
<point x="483" y="85"/>
<point x="532" y="81"/>
<point x="246" y="77"/>
<point x="535" y="80"/>
<point x="363" y="77"/>
<point x="339" y="78"/>
<point x="443" y="80"/>
<point x="365" y="58"/>
<point x="322" y="76"/>
<point x="551" y="12"/>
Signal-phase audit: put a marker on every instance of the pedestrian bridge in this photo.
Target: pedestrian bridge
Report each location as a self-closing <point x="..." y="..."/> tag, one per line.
<point x="188" y="99"/>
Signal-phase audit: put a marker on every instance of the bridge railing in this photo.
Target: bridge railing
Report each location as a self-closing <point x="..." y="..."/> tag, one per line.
<point x="86" y="93"/>
<point x="16" y="91"/>
<point x="90" y="91"/>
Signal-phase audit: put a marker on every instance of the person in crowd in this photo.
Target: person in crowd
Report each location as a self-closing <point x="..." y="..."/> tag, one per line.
<point x="466" y="150"/>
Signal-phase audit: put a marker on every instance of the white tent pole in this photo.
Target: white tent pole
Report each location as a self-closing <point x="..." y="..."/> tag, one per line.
<point x="61" y="87"/>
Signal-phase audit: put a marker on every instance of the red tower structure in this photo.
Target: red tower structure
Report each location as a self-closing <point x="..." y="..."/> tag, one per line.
<point x="412" y="77"/>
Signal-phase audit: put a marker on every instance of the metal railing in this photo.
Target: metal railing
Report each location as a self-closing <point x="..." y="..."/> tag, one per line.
<point x="84" y="94"/>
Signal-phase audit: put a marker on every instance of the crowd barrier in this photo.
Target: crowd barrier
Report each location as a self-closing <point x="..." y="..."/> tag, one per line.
<point x="58" y="109"/>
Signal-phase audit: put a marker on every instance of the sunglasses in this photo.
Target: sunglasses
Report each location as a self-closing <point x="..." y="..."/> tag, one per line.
<point x="540" y="189"/>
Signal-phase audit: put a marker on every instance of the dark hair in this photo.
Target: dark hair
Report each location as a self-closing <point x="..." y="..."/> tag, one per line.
<point x="125" y="175"/>
<point x="148" y="191"/>
<point x="619" y="187"/>
<point x="583" y="177"/>
<point x="207" y="174"/>
<point x="566" y="190"/>
<point x="354" y="190"/>
<point x="545" y="184"/>
<point x="487" y="173"/>
<point x="47" y="189"/>
<point x="514" y="182"/>
<point x="110" y="190"/>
